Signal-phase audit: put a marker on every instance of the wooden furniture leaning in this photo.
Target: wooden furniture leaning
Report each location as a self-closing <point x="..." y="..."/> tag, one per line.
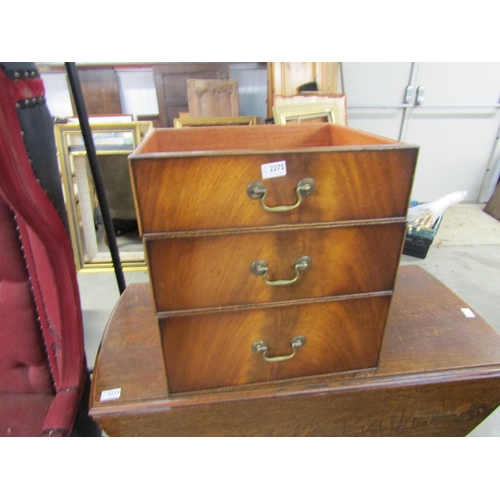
<point x="439" y="375"/>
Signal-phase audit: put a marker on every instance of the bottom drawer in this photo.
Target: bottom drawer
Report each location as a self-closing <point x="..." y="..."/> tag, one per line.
<point x="215" y="350"/>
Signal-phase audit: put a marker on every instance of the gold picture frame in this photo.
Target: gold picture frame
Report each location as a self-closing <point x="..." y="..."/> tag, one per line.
<point x="112" y="140"/>
<point x="214" y="121"/>
<point x="337" y="101"/>
<point x="304" y="112"/>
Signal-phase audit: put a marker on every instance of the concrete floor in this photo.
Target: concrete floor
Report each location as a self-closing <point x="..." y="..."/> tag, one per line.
<point x="465" y="256"/>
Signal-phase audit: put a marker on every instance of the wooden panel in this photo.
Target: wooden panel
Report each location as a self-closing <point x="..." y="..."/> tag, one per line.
<point x="171" y="85"/>
<point x="201" y="272"/>
<point x="214" y="350"/>
<point x="212" y="98"/>
<point x="435" y="408"/>
<point x="285" y="77"/>
<point x="142" y="375"/>
<point x="350" y="185"/>
<point x="100" y="91"/>
<point x="438" y="375"/>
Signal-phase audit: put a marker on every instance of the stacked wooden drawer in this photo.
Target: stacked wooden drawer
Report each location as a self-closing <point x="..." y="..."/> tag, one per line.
<point x="259" y="278"/>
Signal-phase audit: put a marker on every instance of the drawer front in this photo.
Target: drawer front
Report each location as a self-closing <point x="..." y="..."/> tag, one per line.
<point x="208" y="351"/>
<point x="207" y="192"/>
<point x="216" y="271"/>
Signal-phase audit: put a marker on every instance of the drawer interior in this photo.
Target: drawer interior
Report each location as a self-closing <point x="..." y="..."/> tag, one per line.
<point x="258" y="137"/>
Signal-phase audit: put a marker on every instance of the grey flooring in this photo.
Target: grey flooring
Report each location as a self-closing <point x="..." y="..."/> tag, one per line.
<point x="465" y="256"/>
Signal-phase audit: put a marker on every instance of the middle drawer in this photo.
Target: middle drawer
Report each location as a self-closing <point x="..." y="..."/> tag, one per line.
<point x="222" y="270"/>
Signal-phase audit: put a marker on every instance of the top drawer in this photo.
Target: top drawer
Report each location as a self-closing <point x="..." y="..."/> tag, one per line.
<point x="189" y="179"/>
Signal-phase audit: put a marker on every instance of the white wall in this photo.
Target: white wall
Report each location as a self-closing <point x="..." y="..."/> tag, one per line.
<point x="137" y="92"/>
<point x="456" y="128"/>
<point x="57" y="94"/>
<point x="252" y="87"/>
<point x="456" y="125"/>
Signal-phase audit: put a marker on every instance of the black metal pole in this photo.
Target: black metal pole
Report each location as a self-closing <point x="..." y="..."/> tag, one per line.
<point x="83" y="118"/>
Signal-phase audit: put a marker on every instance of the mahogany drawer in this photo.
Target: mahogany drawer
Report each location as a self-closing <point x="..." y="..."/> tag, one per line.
<point x="209" y="351"/>
<point x="179" y="186"/>
<point x="206" y="271"/>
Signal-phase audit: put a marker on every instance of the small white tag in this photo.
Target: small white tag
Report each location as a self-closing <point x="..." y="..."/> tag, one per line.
<point x="111" y="394"/>
<point x="276" y="169"/>
<point x="467" y="312"/>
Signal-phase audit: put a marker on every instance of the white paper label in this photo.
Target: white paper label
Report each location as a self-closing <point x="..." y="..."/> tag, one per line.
<point x="276" y="169"/>
<point x="111" y="394"/>
<point x="467" y="312"/>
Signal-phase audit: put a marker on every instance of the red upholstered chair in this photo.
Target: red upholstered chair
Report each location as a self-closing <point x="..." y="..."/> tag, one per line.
<point x="43" y="370"/>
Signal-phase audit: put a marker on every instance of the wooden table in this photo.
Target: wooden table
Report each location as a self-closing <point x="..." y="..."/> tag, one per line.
<point x="439" y="375"/>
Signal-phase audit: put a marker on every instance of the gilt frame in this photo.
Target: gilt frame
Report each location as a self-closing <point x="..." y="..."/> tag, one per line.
<point x="209" y="121"/>
<point x="78" y="191"/>
<point x="303" y="112"/>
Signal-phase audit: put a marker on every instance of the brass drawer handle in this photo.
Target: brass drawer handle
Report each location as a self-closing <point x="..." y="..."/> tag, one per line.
<point x="261" y="346"/>
<point x="257" y="190"/>
<point x="260" y="267"/>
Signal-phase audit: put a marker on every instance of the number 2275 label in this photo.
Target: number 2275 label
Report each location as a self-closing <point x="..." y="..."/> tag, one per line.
<point x="276" y="169"/>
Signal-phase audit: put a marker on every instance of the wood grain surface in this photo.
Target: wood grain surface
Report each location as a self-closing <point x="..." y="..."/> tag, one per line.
<point x="171" y="85"/>
<point x="188" y="191"/>
<point x="212" y="98"/>
<point x="215" y="350"/>
<point x="439" y="375"/>
<point x="203" y="193"/>
<point x="100" y="90"/>
<point x="214" y="271"/>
